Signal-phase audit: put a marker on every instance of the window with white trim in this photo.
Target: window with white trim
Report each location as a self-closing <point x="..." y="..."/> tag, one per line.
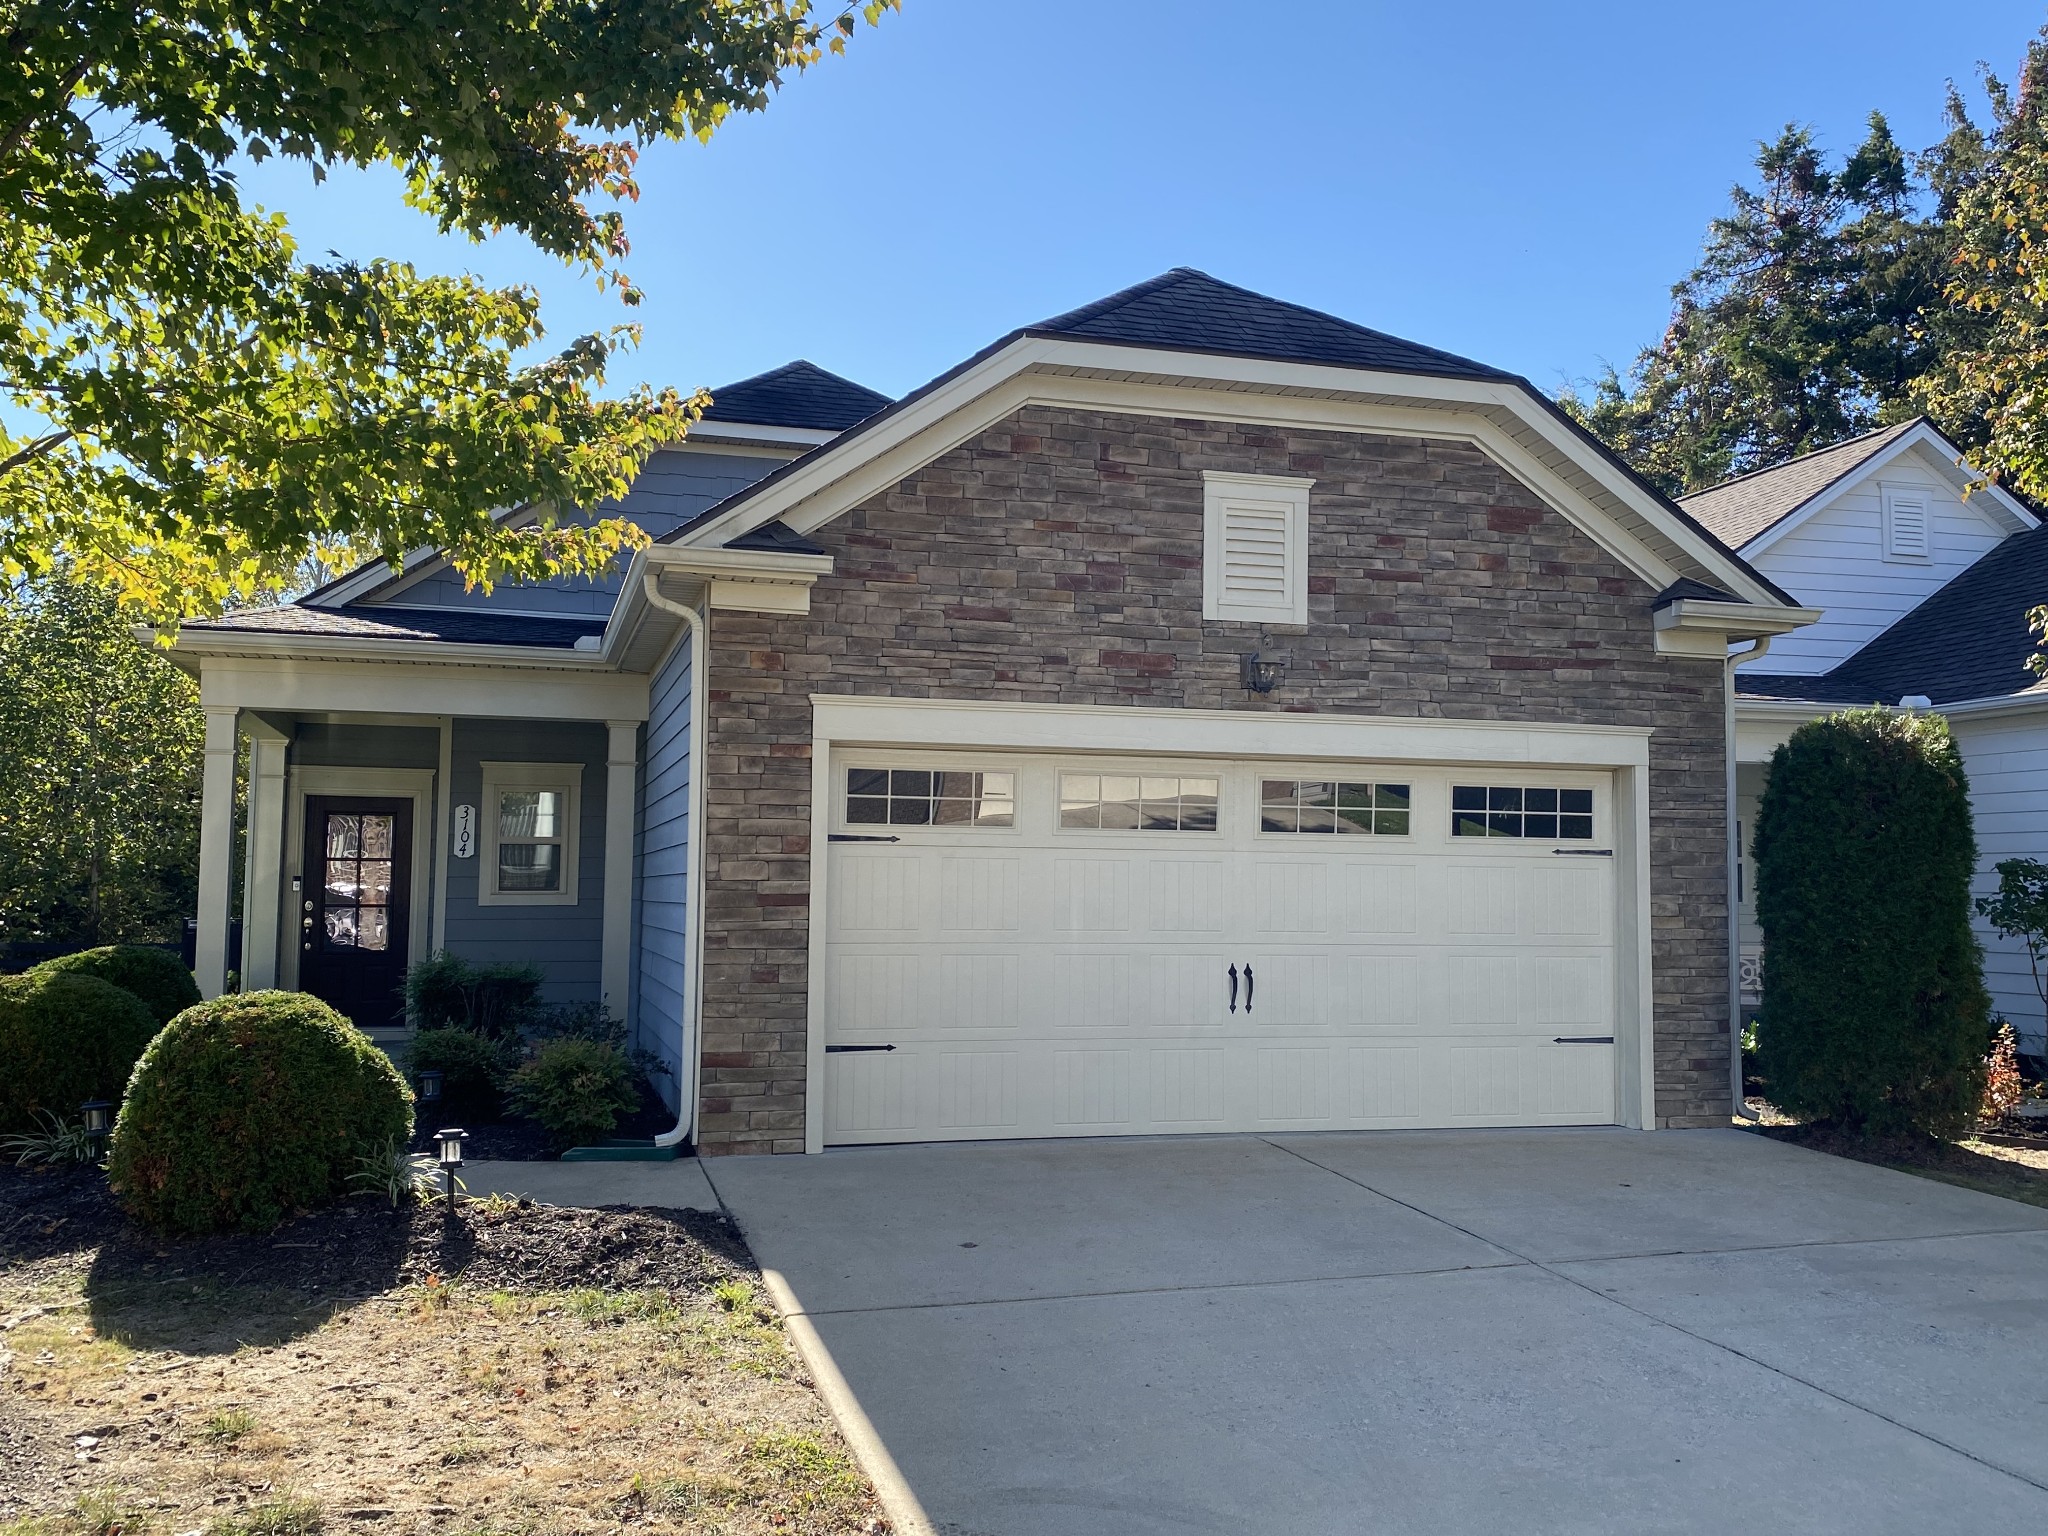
<point x="1132" y="802"/>
<point x="1908" y="523"/>
<point x="529" y="823"/>
<point x="1255" y="548"/>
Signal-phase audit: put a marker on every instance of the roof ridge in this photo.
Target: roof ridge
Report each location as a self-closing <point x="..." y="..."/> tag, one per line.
<point x="1808" y="456"/>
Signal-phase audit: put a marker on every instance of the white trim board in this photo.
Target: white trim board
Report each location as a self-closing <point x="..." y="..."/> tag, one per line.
<point x="414" y="784"/>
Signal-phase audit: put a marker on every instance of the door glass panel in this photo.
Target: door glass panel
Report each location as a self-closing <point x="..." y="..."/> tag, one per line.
<point x="356" y="885"/>
<point x="344" y="834"/>
<point x="374" y="881"/>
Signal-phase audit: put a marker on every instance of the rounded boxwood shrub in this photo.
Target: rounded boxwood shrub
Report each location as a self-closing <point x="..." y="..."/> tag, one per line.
<point x="248" y="1107"/>
<point x="65" y="1039"/>
<point x="156" y="976"/>
<point x="576" y="1089"/>
<point x="473" y="1071"/>
<point x="1875" y="1017"/>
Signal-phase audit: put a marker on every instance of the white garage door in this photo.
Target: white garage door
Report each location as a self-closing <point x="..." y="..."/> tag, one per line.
<point x="1034" y="946"/>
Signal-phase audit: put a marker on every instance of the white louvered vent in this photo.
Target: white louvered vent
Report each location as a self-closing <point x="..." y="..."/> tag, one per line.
<point x="1255" y="548"/>
<point x="1907" y="534"/>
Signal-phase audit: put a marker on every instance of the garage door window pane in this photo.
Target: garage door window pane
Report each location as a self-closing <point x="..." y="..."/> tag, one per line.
<point x="905" y="797"/>
<point x="1505" y="810"/>
<point x="1116" y="802"/>
<point x="1317" y="805"/>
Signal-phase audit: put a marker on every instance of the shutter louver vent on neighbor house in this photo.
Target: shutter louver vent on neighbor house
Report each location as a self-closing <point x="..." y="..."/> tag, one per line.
<point x="1255" y="548"/>
<point x="1907" y="534"/>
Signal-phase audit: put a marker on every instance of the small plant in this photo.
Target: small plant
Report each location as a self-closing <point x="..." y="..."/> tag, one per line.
<point x="227" y="1426"/>
<point x="399" y="1174"/>
<point x="2003" y="1088"/>
<point x="2018" y="909"/>
<point x="576" y="1089"/>
<point x="473" y="1069"/>
<point x="733" y="1295"/>
<point x="282" y="1516"/>
<point x="56" y="1140"/>
<point x="445" y="991"/>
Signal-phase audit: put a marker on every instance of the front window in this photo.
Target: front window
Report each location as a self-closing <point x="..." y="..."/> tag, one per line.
<point x="1499" y="810"/>
<point x="1130" y="802"/>
<point x="529" y="815"/>
<point x="532" y="824"/>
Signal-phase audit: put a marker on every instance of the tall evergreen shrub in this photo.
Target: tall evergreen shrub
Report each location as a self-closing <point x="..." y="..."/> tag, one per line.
<point x="1875" y="1016"/>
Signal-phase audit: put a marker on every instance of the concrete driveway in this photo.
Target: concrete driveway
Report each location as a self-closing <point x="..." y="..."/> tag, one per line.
<point x="1524" y="1331"/>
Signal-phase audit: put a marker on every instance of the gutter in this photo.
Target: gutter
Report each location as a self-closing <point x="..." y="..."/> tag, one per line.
<point x="1740" y="1106"/>
<point x="689" y="1058"/>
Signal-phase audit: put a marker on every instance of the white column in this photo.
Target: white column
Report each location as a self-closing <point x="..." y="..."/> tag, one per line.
<point x="216" y="851"/>
<point x="263" y="857"/>
<point x="621" y="763"/>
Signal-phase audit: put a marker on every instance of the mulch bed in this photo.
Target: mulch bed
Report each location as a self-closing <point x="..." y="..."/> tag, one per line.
<point x="362" y="1246"/>
<point x="513" y="1140"/>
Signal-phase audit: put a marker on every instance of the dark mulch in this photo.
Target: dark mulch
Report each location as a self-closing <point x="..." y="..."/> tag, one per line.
<point x="1924" y="1155"/>
<point x="513" y="1140"/>
<point x="362" y="1246"/>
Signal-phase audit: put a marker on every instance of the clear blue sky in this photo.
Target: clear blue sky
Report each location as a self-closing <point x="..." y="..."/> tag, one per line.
<point x="1521" y="183"/>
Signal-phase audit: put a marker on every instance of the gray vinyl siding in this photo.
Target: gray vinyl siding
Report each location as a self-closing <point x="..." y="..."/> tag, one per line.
<point x="664" y="866"/>
<point x="673" y="488"/>
<point x="566" y="942"/>
<point x="319" y="745"/>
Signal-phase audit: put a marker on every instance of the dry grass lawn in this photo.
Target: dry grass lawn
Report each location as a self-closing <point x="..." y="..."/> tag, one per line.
<point x="442" y="1407"/>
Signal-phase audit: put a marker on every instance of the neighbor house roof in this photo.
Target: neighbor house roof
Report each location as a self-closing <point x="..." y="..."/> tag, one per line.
<point x="453" y="626"/>
<point x="1970" y="640"/>
<point x="798" y="394"/>
<point x="1738" y="510"/>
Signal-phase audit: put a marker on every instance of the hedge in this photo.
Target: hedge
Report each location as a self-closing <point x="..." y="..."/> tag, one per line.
<point x="65" y="1039"/>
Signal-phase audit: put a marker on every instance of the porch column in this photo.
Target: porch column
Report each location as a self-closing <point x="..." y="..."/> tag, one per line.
<point x="216" y="851"/>
<point x="264" y="857"/>
<point x="620" y="783"/>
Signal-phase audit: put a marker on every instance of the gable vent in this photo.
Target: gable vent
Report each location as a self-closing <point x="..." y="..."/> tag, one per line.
<point x="1255" y="548"/>
<point x="1907" y="531"/>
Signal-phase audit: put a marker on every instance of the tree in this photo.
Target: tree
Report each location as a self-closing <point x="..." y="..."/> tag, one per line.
<point x="205" y="407"/>
<point x="2018" y="909"/>
<point x="1796" y="329"/>
<point x="100" y="750"/>
<point x="1875" y="1017"/>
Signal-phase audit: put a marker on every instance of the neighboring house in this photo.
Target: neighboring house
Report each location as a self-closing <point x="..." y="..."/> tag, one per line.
<point x="1191" y="713"/>
<point x="1925" y="584"/>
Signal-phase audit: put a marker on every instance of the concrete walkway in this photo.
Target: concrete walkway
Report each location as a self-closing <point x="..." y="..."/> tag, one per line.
<point x="675" y="1186"/>
<point x="1547" y="1331"/>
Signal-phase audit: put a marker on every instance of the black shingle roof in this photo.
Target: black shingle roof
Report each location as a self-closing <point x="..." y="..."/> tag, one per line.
<point x="1968" y="641"/>
<point x="1740" y="509"/>
<point x="450" y="626"/>
<point x="1195" y="312"/>
<point x="798" y="394"/>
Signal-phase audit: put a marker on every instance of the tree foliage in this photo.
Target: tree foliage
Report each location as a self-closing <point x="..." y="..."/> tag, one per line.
<point x="100" y="750"/>
<point x="1875" y="1016"/>
<point x="204" y="407"/>
<point x="2018" y="909"/>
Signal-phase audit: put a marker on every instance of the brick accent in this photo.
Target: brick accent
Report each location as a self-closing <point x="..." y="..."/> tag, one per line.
<point x="1057" y="558"/>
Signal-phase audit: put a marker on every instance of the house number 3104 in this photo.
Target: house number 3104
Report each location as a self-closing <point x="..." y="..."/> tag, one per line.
<point x="465" y="831"/>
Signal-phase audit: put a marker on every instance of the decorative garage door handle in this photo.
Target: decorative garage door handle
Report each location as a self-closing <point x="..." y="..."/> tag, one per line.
<point x="858" y="837"/>
<point x="834" y="1050"/>
<point x="1247" y="986"/>
<point x="1579" y="1040"/>
<point x="1584" y="853"/>
<point x="1233" y="989"/>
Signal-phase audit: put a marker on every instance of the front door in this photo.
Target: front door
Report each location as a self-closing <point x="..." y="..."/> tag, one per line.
<point x="355" y="905"/>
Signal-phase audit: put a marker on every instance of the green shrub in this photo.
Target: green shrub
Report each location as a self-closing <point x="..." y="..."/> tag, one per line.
<point x="249" y="1107"/>
<point x="445" y="991"/>
<point x="1873" y="981"/>
<point x="156" y="976"/>
<point x="474" y="1070"/>
<point x="63" y="1040"/>
<point x="576" y="1089"/>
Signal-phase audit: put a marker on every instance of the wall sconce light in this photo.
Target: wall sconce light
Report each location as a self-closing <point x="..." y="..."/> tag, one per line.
<point x="451" y="1141"/>
<point x="1258" y="676"/>
<point x="98" y="1115"/>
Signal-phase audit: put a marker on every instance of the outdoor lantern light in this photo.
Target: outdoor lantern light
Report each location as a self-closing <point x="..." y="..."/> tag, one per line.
<point x="99" y="1119"/>
<point x="1258" y="676"/>
<point x="430" y="1086"/>
<point x="451" y="1141"/>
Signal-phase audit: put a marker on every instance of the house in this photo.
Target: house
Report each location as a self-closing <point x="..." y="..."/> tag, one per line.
<point x="1194" y="712"/>
<point x="1926" y="579"/>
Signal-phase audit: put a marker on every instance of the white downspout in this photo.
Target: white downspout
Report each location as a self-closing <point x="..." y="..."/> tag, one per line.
<point x="690" y="1060"/>
<point x="1757" y="647"/>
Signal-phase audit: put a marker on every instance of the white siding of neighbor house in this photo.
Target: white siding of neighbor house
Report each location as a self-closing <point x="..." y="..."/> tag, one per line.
<point x="673" y="487"/>
<point x="2007" y="760"/>
<point x="664" y="868"/>
<point x="1835" y="561"/>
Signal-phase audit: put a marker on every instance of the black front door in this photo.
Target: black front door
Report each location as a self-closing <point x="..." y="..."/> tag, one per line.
<point x="355" y="905"/>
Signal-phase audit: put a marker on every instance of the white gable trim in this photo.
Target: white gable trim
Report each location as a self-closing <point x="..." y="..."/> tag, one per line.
<point x="1935" y="451"/>
<point x="1062" y="372"/>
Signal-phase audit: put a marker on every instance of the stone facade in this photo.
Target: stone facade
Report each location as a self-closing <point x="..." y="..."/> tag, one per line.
<point x="1058" y="558"/>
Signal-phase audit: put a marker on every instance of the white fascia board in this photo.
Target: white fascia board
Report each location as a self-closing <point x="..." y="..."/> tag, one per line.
<point x="863" y="720"/>
<point x="377" y="687"/>
<point x="1036" y="370"/>
<point x="1735" y="621"/>
<point x="293" y="647"/>
<point x="1937" y="452"/>
<point x="798" y="438"/>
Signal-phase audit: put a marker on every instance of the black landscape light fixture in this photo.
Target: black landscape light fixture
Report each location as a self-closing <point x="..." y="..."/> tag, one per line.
<point x="430" y="1086"/>
<point x="1259" y="676"/>
<point x="451" y="1140"/>
<point x="98" y="1115"/>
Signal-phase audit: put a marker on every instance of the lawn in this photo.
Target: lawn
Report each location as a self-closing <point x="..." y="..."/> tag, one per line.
<point x="513" y="1369"/>
<point x="2015" y="1166"/>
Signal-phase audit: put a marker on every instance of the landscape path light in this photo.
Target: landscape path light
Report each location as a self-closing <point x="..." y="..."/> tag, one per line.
<point x="98" y="1115"/>
<point x="451" y="1140"/>
<point x="430" y="1087"/>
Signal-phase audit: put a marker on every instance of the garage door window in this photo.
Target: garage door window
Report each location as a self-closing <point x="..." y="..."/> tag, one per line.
<point x="917" y="797"/>
<point x="1115" y="802"/>
<point x="1497" y="810"/>
<point x="1322" y="805"/>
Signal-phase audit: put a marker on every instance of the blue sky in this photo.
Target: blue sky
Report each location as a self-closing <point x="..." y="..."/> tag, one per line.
<point x="1516" y="182"/>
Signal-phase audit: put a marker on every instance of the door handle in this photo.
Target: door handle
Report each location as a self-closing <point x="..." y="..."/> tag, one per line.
<point x="1233" y="989"/>
<point x="1582" y="1040"/>
<point x="1247" y="986"/>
